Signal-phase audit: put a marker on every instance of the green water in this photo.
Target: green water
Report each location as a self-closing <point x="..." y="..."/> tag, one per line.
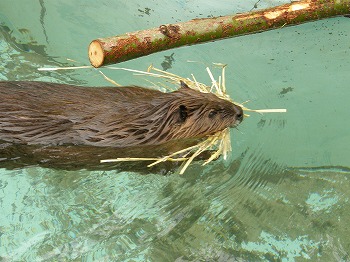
<point x="283" y="195"/>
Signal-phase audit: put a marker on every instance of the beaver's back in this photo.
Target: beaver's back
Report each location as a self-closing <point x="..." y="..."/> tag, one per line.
<point x="55" y="114"/>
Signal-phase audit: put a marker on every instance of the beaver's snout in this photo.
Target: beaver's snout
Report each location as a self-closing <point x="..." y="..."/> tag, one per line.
<point x="239" y="113"/>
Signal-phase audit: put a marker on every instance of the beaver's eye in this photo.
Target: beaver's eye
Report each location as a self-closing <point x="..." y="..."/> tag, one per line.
<point x="183" y="113"/>
<point x="212" y="113"/>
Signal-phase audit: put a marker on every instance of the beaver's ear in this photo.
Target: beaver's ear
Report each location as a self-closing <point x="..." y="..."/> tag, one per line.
<point x="183" y="84"/>
<point x="182" y="113"/>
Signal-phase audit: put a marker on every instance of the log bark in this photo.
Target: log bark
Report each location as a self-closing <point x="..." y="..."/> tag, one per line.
<point x="104" y="51"/>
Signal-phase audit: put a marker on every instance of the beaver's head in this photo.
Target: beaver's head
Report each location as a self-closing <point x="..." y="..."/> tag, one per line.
<point x="187" y="113"/>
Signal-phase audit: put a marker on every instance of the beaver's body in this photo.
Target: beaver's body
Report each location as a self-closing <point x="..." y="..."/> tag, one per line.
<point x="52" y="115"/>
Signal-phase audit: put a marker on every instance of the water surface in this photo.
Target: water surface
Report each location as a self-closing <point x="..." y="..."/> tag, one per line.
<point x="281" y="196"/>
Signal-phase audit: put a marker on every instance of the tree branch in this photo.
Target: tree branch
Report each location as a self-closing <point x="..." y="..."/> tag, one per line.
<point x="120" y="48"/>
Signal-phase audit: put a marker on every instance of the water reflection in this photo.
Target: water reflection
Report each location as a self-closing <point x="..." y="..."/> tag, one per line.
<point x="255" y="212"/>
<point x="21" y="55"/>
<point x="20" y="39"/>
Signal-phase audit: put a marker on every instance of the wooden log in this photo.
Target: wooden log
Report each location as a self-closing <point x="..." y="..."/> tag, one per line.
<point x="104" y="51"/>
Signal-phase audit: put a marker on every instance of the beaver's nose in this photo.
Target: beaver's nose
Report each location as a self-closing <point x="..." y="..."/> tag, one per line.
<point x="238" y="113"/>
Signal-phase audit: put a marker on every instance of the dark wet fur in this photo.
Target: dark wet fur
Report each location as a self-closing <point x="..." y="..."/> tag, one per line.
<point x="43" y="118"/>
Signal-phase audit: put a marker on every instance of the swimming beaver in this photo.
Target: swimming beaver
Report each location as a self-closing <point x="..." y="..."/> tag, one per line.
<point x="44" y="115"/>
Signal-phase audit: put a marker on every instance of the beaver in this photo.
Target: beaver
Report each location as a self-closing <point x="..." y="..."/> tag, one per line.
<point x="50" y="117"/>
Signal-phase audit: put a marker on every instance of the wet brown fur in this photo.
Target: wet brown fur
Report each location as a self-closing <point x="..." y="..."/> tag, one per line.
<point x="39" y="113"/>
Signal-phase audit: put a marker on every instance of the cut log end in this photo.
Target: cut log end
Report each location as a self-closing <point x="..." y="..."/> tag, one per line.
<point x="96" y="54"/>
